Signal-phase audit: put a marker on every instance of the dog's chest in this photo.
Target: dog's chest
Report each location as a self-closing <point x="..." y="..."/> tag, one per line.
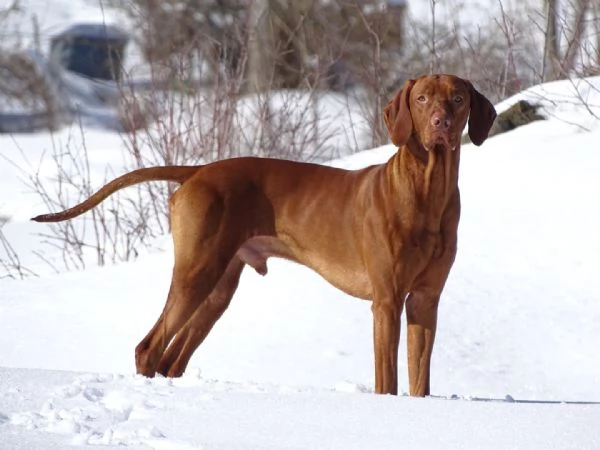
<point x="425" y="241"/>
<point x="417" y="249"/>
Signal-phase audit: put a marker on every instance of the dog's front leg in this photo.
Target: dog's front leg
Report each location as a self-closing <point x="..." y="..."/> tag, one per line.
<point x="386" y="336"/>
<point x="388" y="302"/>
<point x="422" y="303"/>
<point x="388" y="278"/>
<point x="421" y="317"/>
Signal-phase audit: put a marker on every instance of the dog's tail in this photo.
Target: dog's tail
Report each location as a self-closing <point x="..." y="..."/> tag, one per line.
<point x="177" y="174"/>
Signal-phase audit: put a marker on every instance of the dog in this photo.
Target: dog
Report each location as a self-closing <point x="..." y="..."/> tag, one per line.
<point x="386" y="233"/>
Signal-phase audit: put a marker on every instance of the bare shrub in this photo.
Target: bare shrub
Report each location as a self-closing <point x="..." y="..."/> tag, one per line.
<point x="10" y="262"/>
<point x="509" y="52"/>
<point x="272" y="45"/>
<point x="300" y="41"/>
<point x="9" y="10"/>
<point x="27" y="93"/>
<point x="113" y="231"/>
<point x="23" y="88"/>
<point x="500" y="56"/>
<point x="569" y="45"/>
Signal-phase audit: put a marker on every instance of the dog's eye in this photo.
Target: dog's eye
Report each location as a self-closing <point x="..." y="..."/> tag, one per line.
<point x="458" y="99"/>
<point x="421" y="99"/>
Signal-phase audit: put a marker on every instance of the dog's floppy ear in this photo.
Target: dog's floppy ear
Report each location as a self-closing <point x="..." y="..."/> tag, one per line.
<point x="397" y="117"/>
<point x="481" y="117"/>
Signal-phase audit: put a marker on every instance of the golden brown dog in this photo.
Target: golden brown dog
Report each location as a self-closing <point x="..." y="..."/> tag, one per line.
<point x="386" y="233"/>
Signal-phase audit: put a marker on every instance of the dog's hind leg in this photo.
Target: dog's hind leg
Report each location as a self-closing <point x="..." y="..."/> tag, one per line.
<point x="204" y="243"/>
<point x="175" y="360"/>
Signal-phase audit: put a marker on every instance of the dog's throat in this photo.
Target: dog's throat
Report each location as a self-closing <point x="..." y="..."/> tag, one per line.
<point x="431" y="161"/>
<point x="439" y="156"/>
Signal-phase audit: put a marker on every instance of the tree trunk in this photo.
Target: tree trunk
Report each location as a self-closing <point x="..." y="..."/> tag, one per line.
<point x="551" y="68"/>
<point x="596" y="13"/>
<point x="260" y="46"/>
<point x="574" y="48"/>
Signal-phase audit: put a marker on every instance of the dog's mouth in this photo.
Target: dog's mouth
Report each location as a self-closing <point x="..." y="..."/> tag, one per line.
<point x="440" y="141"/>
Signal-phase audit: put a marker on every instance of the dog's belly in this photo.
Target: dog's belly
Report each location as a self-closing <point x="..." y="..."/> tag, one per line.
<point x="352" y="280"/>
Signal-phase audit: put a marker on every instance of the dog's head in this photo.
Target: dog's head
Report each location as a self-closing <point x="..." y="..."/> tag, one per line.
<point x="435" y="109"/>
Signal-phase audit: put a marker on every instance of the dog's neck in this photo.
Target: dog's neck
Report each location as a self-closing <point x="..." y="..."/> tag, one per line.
<point x="428" y="177"/>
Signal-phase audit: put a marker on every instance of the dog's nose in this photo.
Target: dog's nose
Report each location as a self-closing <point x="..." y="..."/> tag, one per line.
<point x="440" y="121"/>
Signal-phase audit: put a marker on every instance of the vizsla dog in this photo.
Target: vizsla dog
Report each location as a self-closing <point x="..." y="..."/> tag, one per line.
<point x="386" y="233"/>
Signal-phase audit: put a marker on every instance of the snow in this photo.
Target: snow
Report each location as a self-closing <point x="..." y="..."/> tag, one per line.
<point x="117" y="410"/>
<point x="290" y="364"/>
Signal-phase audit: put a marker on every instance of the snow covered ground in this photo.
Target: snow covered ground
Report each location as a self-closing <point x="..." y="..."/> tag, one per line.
<point x="290" y="364"/>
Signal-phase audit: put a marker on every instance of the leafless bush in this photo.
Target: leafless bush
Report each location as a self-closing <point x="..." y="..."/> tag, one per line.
<point x="500" y="56"/>
<point x="25" y="90"/>
<point x="22" y="85"/>
<point x="18" y="78"/>
<point x="509" y="52"/>
<point x="8" y="10"/>
<point x="273" y="44"/>
<point x="10" y="262"/>
<point x="113" y="231"/>
<point x="571" y="39"/>
<point x="300" y="40"/>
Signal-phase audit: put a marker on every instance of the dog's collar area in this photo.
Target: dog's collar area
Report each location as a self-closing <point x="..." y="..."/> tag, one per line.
<point x="421" y="152"/>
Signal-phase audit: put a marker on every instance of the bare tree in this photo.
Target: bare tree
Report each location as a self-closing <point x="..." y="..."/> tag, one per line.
<point x="551" y="65"/>
<point x="260" y="59"/>
<point x="565" y="28"/>
<point x="8" y="10"/>
<point x="433" y="67"/>
<point x="511" y="83"/>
